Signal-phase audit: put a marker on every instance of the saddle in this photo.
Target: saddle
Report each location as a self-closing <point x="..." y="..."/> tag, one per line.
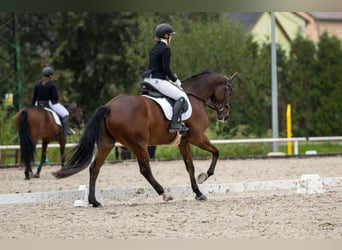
<point x="45" y="105"/>
<point x="149" y="90"/>
<point x="166" y="103"/>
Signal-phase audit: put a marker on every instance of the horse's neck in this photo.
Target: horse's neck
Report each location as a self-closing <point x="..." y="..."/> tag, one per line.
<point x="200" y="88"/>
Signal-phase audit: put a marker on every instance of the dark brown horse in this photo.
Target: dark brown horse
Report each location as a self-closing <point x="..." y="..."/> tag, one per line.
<point x="136" y="122"/>
<point x="34" y="123"/>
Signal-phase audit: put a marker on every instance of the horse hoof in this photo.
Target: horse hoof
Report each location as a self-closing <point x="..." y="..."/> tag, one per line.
<point x="201" y="198"/>
<point x="27" y="178"/>
<point x="36" y="176"/>
<point x="202" y="177"/>
<point x="167" y="197"/>
<point x="97" y="204"/>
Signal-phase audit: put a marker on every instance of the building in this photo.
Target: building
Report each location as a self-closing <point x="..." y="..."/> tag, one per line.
<point x="320" y="22"/>
<point x="287" y="26"/>
<point x="310" y="25"/>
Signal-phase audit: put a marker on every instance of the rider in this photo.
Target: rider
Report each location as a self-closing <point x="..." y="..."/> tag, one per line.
<point x="159" y="70"/>
<point x="45" y="91"/>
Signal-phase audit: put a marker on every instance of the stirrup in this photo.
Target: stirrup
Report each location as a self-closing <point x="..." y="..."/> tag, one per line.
<point x="69" y="132"/>
<point x="178" y="128"/>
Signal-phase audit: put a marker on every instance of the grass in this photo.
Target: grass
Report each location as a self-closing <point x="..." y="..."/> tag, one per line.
<point x="250" y="149"/>
<point x="226" y="150"/>
<point x="320" y="147"/>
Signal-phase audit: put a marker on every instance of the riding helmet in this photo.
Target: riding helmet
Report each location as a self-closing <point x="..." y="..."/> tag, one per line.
<point x="163" y="29"/>
<point x="47" y="71"/>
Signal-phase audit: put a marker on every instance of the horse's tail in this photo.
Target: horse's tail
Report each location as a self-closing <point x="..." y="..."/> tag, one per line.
<point x="82" y="154"/>
<point x="27" y="145"/>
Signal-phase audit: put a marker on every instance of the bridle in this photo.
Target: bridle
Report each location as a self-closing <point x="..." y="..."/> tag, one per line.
<point x="219" y="108"/>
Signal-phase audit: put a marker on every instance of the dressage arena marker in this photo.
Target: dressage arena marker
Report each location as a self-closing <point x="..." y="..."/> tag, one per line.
<point x="308" y="184"/>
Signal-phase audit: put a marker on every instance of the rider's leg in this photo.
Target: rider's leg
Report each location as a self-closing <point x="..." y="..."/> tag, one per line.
<point x="176" y="121"/>
<point x="64" y="114"/>
<point x="65" y="122"/>
<point x="172" y="91"/>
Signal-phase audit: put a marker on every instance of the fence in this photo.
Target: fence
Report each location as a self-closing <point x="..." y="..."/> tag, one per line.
<point x="295" y="141"/>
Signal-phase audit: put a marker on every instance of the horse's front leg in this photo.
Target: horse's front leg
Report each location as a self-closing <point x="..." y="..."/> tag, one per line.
<point x="185" y="150"/>
<point x="206" y="145"/>
<point x="42" y="159"/>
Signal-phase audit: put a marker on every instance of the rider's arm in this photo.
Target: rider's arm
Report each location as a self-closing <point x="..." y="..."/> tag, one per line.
<point x="166" y="64"/>
<point x="35" y="95"/>
<point x="54" y="94"/>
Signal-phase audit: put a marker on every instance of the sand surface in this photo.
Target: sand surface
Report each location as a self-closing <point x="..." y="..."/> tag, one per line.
<point x="251" y="215"/>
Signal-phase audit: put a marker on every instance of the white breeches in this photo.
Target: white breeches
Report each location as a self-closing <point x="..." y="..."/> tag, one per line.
<point x="167" y="88"/>
<point x="58" y="108"/>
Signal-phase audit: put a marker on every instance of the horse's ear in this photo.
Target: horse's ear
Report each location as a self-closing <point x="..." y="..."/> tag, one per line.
<point x="232" y="77"/>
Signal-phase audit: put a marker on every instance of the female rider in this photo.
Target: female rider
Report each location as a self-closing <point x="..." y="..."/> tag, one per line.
<point x="159" y="70"/>
<point x="45" y="91"/>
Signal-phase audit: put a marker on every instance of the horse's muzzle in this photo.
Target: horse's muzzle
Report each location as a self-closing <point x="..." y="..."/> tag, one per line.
<point x="222" y="117"/>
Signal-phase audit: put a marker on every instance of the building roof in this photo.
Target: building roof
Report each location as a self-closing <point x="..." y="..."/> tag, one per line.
<point x="247" y="19"/>
<point x="327" y="16"/>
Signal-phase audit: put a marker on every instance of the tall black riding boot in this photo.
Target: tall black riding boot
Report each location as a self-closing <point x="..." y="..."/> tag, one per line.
<point x="65" y="123"/>
<point x="176" y="121"/>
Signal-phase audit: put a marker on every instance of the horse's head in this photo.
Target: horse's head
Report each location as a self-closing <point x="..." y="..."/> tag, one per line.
<point x="211" y="85"/>
<point x="221" y="97"/>
<point x="75" y="115"/>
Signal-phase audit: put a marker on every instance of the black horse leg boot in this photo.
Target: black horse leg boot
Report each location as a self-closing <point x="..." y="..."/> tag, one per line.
<point x="176" y="121"/>
<point x="65" y="122"/>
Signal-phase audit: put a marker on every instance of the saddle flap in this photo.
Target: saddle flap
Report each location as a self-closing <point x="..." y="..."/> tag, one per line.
<point x="168" y="109"/>
<point x="55" y="116"/>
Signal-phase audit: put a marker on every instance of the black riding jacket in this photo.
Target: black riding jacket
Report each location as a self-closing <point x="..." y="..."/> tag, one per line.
<point x="47" y="92"/>
<point x="159" y="62"/>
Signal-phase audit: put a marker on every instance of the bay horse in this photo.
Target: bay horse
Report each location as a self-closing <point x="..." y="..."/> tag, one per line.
<point x="137" y="121"/>
<point x="34" y="123"/>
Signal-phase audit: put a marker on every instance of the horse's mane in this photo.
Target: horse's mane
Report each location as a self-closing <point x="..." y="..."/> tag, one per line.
<point x="197" y="75"/>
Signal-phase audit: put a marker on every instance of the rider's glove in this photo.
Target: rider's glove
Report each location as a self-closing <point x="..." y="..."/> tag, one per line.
<point x="178" y="83"/>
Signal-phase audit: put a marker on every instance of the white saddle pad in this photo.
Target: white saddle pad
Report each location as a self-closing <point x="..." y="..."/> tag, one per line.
<point x="55" y="116"/>
<point x="168" y="109"/>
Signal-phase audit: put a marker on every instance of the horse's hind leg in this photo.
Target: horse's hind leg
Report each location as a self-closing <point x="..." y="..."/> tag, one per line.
<point x="145" y="170"/>
<point x="42" y="159"/>
<point x="94" y="172"/>
<point x="186" y="154"/>
<point x="62" y="142"/>
<point x="28" y="171"/>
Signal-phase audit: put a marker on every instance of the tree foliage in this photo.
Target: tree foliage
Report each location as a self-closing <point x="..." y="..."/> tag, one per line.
<point x="97" y="56"/>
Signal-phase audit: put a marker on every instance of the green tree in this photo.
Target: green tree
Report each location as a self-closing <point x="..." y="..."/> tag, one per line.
<point x="300" y="85"/>
<point x="326" y="114"/>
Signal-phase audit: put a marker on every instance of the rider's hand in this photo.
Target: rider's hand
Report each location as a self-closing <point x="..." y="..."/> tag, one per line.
<point x="178" y="83"/>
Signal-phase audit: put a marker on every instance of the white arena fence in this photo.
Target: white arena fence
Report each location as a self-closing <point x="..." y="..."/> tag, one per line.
<point x="306" y="185"/>
<point x="294" y="140"/>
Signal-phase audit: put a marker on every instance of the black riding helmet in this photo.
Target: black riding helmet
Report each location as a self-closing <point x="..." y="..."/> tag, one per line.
<point x="163" y="29"/>
<point x="47" y="71"/>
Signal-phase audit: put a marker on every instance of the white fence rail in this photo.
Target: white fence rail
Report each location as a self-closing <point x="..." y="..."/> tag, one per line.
<point x="295" y="141"/>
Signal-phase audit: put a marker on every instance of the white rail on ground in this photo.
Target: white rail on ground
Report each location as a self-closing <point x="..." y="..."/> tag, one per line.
<point x="295" y="140"/>
<point x="307" y="184"/>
